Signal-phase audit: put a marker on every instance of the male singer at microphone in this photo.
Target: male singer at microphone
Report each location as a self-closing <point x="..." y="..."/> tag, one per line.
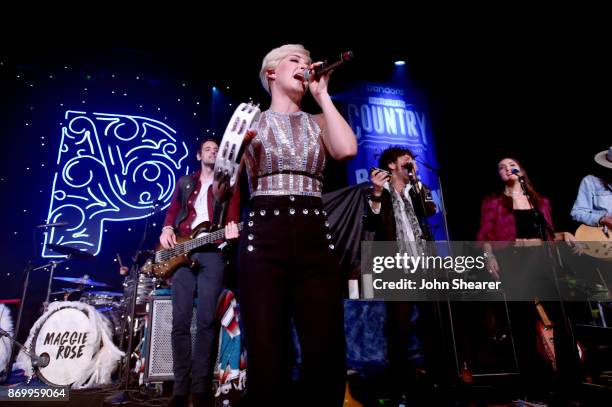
<point x="402" y="180"/>
<point x="399" y="206"/>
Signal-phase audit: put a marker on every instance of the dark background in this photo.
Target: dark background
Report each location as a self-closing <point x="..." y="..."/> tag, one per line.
<point x="536" y="92"/>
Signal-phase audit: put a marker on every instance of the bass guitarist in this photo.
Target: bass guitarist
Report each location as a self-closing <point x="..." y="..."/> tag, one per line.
<point x="193" y="203"/>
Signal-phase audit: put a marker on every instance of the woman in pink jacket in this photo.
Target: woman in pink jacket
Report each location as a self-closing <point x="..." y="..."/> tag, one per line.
<point x="521" y="215"/>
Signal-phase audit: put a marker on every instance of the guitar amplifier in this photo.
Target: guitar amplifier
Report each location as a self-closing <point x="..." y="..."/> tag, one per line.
<point x="158" y="342"/>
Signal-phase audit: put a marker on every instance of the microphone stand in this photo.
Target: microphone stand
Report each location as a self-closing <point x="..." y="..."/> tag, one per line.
<point x="122" y="397"/>
<point x="26" y="282"/>
<point x="423" y="221"/>
<point x="437" y="304"/>
<point x="443" y="206"/>
<point x="37" y="361"/>
<point x="546" y="231"/>
<point x="544" y="227"/>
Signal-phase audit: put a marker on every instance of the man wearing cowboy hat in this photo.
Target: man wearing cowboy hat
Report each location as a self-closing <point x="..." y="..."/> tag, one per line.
<point x="593" y="205"/>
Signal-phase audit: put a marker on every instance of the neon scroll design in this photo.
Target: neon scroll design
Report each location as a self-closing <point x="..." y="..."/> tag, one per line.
<point x="110" y="167"/>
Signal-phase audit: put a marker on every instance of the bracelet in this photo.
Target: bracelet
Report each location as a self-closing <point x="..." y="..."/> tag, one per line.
<point x="168" y="227"/>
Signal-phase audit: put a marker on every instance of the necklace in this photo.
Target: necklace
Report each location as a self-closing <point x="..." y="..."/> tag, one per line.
<point x="513" y="193"/>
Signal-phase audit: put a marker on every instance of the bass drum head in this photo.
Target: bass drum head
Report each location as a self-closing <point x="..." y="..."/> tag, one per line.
<point x="70" y="340"/>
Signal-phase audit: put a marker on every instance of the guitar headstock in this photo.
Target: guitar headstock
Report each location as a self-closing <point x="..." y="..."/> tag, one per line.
<point x="233" y="143"/>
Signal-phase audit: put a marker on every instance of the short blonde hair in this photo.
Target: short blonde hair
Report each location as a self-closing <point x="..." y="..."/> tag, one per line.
<point x="272" y="59"/>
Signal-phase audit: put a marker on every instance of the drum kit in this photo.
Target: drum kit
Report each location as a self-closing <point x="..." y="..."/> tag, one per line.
<point x="81" y="335"/>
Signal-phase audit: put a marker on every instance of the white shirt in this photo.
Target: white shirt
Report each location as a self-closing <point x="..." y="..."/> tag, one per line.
<point x="201" y="205"/>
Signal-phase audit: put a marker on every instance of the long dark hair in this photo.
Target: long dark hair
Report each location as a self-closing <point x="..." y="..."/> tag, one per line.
<point x="535" y="195"/>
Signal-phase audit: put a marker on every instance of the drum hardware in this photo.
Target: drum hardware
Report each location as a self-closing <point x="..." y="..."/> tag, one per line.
<point x="102" y="298"/>
<point x="67" y="291"/>
<point x="69" y="294"/>
<point x="70" y="252"/>
<point x="52" y="266"/>
<point x="129" y="323"/>
<point x="28" y="269"/>
<point x="123" y="396"/>
<point x="144" y="286"/>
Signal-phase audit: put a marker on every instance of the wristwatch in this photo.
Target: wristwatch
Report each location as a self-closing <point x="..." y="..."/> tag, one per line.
<point x="375" y="198"/>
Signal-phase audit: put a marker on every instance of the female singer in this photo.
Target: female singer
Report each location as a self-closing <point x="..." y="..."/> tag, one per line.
<point x="520" y="214"/>
<point x="287" y="269"/>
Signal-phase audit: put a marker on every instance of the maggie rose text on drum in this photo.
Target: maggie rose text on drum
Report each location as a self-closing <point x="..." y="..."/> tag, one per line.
<point x="70" y="344"/>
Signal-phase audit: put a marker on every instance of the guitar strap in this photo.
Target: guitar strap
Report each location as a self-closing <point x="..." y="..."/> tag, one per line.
<point x="219" y="212"/>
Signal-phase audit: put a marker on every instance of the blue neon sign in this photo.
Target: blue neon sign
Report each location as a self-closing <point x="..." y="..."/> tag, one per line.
<point x="110" y="167"/>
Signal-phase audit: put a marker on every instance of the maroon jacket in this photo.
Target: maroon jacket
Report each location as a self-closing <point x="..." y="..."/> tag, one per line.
<point x="497" y="223"/>
<point x="181" y="212"/>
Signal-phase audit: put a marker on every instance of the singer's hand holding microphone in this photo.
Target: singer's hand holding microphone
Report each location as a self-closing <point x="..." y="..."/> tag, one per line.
<point x="379" y="178"/>
<point x="317" y="74"/>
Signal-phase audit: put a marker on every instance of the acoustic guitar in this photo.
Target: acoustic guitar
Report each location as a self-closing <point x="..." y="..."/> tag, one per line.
<point x="546" y="334"/>
<point x="595" y="241"/>
<point x="349" y="401"/>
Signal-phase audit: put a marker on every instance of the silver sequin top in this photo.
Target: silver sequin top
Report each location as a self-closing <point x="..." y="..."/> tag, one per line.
<point x="287" y="157"/>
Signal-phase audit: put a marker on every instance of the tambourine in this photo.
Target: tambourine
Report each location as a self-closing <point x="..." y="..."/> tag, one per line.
<point x="233" y="143"/>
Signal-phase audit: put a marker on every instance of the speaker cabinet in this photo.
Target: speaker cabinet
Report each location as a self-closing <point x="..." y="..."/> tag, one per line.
<point x="158" y="343"/>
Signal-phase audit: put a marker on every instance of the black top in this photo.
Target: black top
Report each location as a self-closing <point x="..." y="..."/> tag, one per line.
<point x="527" y="224"/>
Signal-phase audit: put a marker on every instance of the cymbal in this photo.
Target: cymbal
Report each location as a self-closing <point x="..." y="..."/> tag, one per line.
<point x="105" y="293"/>
<point x="85" y="280"/>
<point x="66" y="291"/>
<point x="70" y="251"/>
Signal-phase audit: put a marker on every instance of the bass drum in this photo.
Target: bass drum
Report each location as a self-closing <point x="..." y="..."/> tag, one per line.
<point x="76" y="339"/>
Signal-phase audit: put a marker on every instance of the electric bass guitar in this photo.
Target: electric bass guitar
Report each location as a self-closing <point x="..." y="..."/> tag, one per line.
<point x="166" y="261"/>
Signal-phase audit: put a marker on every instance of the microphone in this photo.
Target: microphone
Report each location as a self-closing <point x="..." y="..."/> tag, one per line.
<point x="40" y="361"/>
<point x="411" y="171"/>
<point x="516" y="172"/>
<point x="326" y="66"/>
<point x="52" y="225"/>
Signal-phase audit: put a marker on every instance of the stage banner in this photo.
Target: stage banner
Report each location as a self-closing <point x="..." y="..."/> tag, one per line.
<point x="384" y="115"/>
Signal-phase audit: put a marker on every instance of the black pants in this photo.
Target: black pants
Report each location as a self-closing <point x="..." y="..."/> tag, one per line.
<point x="287" y="270"/>
<point x="208" y="278"/>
